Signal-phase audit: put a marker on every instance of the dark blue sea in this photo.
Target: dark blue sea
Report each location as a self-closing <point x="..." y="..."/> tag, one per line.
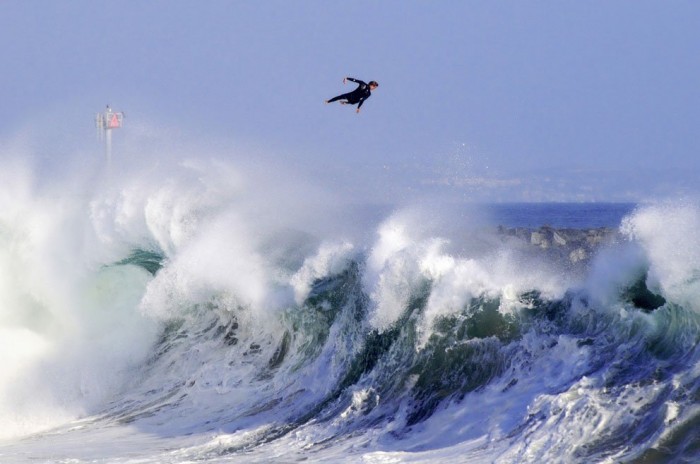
<point x="560" y="215"/>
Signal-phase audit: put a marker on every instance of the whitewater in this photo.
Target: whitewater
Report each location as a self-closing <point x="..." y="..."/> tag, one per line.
<point x="187" y="313"/>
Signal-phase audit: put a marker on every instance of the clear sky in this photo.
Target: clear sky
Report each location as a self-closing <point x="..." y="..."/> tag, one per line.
<point x="482" y="101"/>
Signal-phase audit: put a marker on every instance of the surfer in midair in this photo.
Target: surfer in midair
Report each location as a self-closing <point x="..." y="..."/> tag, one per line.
<point x="357" y="96"/>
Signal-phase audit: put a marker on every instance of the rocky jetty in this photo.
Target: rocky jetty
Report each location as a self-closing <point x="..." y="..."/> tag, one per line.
<point x="573" y="249"/>
<point x="575" y="246"/>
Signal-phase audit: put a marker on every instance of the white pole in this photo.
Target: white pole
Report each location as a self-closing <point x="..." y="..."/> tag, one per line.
<point x="108" y="146"/>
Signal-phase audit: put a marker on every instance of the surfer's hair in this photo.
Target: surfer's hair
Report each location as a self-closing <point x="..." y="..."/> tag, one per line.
<point x="374" y="83"/>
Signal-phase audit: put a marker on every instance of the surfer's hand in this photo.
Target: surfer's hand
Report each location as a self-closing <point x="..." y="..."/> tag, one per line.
<point x="345" y="79"/>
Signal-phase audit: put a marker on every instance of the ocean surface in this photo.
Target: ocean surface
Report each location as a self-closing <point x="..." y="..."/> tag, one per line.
<point x="177" y="319"/>
<point x="559" y="215"/>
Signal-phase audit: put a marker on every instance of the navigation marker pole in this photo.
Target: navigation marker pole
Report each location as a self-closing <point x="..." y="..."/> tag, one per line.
<point x="105" y="122"/>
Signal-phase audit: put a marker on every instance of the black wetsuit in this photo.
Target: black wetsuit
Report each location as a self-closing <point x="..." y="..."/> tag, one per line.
<point x="359" y="95"/>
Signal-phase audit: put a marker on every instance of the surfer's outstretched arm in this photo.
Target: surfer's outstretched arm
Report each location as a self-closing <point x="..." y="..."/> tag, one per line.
<point x="357" y="81"/>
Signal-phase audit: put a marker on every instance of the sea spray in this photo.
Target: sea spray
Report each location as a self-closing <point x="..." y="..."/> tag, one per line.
<point x="668" y="234"/>
<point x="71" y="328"/>
<point x="162" y="319"/>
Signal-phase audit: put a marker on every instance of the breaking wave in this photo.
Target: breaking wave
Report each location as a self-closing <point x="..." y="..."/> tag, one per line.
<point x="184" y="317"/>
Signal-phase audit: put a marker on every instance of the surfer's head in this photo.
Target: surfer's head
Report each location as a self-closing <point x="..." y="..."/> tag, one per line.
<point x="373" y="85"/>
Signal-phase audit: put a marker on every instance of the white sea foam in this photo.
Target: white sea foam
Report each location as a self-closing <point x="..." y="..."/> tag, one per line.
<point x="407" y="253"/>
<point x="330" y="259"/>
<point x="70" y="327"/>
<point x="668" y="234"/>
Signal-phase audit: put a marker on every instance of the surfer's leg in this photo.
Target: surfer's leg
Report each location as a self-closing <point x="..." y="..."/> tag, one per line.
<point x="339" y="97"/>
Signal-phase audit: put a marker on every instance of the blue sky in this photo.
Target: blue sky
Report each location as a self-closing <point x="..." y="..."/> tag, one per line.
<point x="478" y="101"/>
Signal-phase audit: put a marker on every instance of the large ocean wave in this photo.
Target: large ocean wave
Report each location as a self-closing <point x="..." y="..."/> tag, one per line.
<point x="187" y="315"/>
